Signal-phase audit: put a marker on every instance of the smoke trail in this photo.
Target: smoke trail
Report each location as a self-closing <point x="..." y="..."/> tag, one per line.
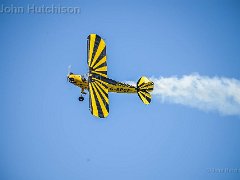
<point x="202" y="92"/>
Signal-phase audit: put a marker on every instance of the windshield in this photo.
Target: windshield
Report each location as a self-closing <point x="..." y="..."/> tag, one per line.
<point x="84" y="77"/>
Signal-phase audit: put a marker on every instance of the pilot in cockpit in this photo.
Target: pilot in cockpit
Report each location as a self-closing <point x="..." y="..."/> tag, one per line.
<point x="84" y="78"/>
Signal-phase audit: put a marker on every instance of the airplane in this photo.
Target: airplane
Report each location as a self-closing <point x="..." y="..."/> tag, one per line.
<point x="99" y="85"/>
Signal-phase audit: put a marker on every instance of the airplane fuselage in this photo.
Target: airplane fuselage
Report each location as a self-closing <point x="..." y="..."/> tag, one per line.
<point x="113" y="86"/>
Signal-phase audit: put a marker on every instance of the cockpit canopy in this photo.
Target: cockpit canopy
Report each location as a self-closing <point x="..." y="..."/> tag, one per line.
<point x="84" y="77"/>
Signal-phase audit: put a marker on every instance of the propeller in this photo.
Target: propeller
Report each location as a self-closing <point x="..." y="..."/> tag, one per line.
<point x="69" y="68"/>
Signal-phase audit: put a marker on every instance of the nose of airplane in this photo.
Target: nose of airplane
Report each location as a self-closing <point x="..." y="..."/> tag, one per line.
<point x="70" y="78"/>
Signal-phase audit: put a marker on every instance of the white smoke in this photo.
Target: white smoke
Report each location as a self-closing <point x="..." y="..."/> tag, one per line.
<point x="202" y="92"/>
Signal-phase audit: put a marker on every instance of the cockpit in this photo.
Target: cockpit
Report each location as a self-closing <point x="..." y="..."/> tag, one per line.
<point x="84" y="77"/>
<point x="76" y="78"/>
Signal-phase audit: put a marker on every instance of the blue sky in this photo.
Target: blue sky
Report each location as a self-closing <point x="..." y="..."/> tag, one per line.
<point x="46" y="133"/>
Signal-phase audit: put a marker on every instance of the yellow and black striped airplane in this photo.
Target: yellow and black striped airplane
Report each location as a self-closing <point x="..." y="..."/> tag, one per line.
<point x="99" y="85"/>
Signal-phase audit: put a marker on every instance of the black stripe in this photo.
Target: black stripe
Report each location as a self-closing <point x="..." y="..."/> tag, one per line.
<point x="103" y="72"/>
<point x="104" y="102"/>
<point x="110" y="81"/>
<point x="100" y="113"/>
<point x="147" y="98"/>
<point x="138" y="82"/>
<point x="96" y="44"/>
<point x="93" y="73"/>
<point x="102" y="89"/>
<point x="139" y="96"/>
<point x="99" y="66"/>
<point x="142" y="85"/>
<point x="145" y="85"/>
<point x="89" y="37"/>
<point x="102" y="54"/>
<point x="101" y="82"/>
<point x="98" y="76"/>
<point x="90" y="103"/>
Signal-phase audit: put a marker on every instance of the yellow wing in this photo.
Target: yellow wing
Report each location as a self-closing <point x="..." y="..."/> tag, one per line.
<point x="98" y="89"/>
<point x="97" y="60"/>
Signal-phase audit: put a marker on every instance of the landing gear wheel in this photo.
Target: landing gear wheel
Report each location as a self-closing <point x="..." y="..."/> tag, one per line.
<point x="81" y="98"/>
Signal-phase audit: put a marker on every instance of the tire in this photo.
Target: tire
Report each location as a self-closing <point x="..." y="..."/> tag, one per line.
<point x="81" y="98"/>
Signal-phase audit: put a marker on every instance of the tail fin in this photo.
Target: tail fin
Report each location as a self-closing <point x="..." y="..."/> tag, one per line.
<point x="144" y="86"/>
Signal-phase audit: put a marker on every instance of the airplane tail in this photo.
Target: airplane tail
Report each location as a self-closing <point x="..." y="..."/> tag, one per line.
<point x="144" y="86"/>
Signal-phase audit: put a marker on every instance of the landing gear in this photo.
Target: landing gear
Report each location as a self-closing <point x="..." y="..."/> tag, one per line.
<point x="81" y="98"/>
